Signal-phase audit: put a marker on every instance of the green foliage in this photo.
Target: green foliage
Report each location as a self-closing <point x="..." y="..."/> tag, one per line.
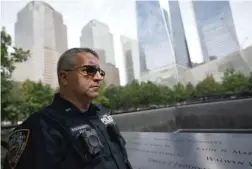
<point x="147" y="93"/>
<point x="12" y="103"/>
<point x="190" y="90"/>
<point x="35" y="96"/>
<point x="179" y="93"/>
<point x="250" y="81"/>
<point x="9" y="97"/>
<point x="208" y="86"/>
<point x="9" y="59"/>
<point x="115" y="95"/>
<point x="235" y="81"/>
<point x="19" y="99"/>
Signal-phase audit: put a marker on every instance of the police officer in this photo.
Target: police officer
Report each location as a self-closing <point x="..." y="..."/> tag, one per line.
<point x="71" y="133"/>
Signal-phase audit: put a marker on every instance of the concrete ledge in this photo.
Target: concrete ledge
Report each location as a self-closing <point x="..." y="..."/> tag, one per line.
<point x="243" y="131"/>
<point x="233" y="114"/>
<point x="146" y="120"/>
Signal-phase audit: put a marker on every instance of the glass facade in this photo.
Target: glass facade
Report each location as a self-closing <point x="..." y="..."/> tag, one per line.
<point x="128" y="48"/>
<point x="153" y="35"/>
<point x="177" y="34"/>
<point x="142" y="60"/>
<point x="161" y="34"/>
<point x="129" y="66"/>
<point x="216" y="28"/>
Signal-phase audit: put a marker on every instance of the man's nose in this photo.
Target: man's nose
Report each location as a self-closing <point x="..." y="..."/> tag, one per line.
<point x="98" y="76"/>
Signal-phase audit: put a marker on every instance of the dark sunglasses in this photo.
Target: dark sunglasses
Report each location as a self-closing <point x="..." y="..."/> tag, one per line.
<point x="90" y="69"/>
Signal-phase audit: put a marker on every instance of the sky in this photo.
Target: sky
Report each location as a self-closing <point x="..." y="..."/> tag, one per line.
<point x="121" y="17"/>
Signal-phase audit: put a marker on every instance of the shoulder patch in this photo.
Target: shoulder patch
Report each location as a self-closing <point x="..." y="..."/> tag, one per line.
<point x="106" y="119"/>
<point x="17" y="144"/>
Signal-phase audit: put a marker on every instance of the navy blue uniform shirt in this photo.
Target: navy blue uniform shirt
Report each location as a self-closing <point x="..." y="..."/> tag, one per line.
<point x="48" y="139"/>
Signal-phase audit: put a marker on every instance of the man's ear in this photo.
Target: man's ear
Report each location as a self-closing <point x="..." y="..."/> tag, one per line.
<point x="63" y="77"/>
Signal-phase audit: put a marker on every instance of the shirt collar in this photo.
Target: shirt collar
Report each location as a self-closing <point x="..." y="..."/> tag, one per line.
<point x="62" y="104"/>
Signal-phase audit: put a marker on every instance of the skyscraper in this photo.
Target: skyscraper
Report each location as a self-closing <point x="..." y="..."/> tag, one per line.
<point x="153" y="34"/>
<point x="161" y="33"/>
<point x="96" y="35"/>
<point x="142" y="59"/>
<point x="177" y="33"/>
<point x="102" y="55"/>
<point x="216" y="28"/>
<point x="162" y="40"/>
<point x="127" y="47"/>
<point x="40" y="29"/>
<point x="112" y="74"/>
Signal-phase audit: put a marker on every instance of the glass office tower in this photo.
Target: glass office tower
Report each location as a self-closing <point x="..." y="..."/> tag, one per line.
<point x="161" y="34"/>
<point x="216" y="28"/>
<point x="153" y="34"/>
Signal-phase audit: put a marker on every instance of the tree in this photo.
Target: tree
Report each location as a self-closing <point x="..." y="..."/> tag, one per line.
<point x="190" y="90"/>
<point x="132" y="94"/>
<point x="13" y="106"/>
<point x="143" y="94"/>
<point x="150" y="93"/>
<point x="235" y="81"/>
<point x="208" y="87"/>
<point x="114" y="95"/>
<point x="250" y="81"/>
<point x="35" y="96"/>
<point x="8" y="61"/>
<point x="166" y="95"/>
<point x="179" y="93"/>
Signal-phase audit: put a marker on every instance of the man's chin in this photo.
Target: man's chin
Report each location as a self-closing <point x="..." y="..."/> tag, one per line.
<point x="93" y="95"/>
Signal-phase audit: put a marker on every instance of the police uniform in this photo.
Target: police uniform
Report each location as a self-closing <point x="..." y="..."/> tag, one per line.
<point x="62" y="137"/>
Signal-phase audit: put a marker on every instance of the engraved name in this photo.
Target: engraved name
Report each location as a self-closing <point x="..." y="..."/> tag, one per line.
<point x="236" y="152"/>
<point x="176" y="164"/>
<point x="155" y="152"/>
<point x="227" y="161"/>
<point x="147" y="144"/>
<point x="190" y="141"/>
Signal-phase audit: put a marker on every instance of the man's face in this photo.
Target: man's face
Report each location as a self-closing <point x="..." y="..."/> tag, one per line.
<point x="85" y="80"/>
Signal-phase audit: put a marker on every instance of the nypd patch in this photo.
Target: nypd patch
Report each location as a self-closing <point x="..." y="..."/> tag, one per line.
<point x="17" y="144"/>
<point x="106" y="119"/>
